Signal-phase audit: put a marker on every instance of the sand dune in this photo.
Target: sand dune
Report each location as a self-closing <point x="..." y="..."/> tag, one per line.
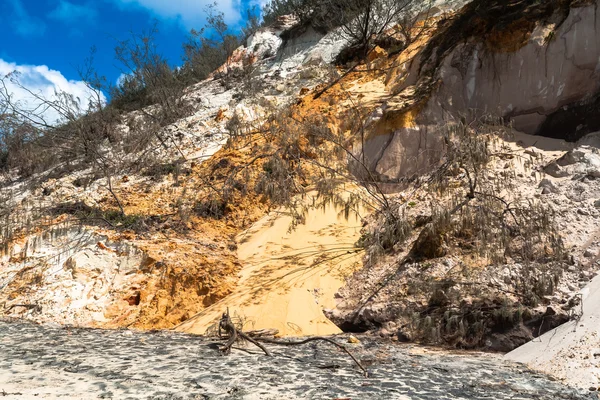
<point x="289" y="277"/>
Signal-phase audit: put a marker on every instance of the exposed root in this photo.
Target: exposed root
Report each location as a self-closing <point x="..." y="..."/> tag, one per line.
<point x="227" y="326"/>
<point x="315" y="338"/>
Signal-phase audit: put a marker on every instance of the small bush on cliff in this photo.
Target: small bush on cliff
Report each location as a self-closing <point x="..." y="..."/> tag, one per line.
<point x="148" y="80"/>
<point x="362" y="22"/>
<point x="482" y="209"/>
<point x="204" y="53"/>
<point x="472" y="207"/>
<point x="208" y="50"/>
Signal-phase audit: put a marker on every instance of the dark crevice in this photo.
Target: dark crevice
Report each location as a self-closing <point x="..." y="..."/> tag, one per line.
<point x="352" y="327"/>
<point x="573" y="121"/>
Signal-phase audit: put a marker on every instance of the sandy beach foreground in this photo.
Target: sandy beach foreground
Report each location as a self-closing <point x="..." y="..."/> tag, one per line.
<point x="44" y="362"/>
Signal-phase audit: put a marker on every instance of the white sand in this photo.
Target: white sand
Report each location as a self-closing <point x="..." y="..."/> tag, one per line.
<point x="570" y="352"/>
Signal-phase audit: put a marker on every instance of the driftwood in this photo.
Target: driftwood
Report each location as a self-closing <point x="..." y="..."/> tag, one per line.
<point x="255" y="337"/>
<point x="227" y="325"/>
<point x="262" y="333"/>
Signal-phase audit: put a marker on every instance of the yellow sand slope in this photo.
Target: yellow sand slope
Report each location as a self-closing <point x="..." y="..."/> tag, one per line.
<point x="288" y="277"/>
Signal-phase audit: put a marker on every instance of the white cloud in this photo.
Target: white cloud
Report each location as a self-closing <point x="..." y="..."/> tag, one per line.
<point x="44" y="81"/>
<point x="189" y="12"/>
<point x="121" y="78"/>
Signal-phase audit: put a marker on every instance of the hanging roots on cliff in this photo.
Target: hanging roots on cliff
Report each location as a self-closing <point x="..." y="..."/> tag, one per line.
<point x="232" y="334"/>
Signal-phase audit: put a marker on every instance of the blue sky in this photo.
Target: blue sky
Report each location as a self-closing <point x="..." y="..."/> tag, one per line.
<point x="48" y="38"/>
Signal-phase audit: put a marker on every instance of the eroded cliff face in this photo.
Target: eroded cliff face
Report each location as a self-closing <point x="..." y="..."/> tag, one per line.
<point x="65" y="275"/>
<point x="78" y="275"/>
<point x="536" y="65"/>
<point x="165" y="260"/>
<point x="558" y="67"/>
<point x="533" y="66"/>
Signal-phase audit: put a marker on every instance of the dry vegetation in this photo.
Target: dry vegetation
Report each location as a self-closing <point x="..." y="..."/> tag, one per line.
<point x="468" y="212"/>
<point x="279" y="162"/>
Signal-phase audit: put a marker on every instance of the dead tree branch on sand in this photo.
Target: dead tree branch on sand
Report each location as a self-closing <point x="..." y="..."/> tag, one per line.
<point x="232" y="334"/>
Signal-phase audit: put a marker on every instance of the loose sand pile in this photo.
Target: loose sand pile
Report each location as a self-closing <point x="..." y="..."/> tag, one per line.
<point x="289" y="276"/>
<point x="570" y="352"/>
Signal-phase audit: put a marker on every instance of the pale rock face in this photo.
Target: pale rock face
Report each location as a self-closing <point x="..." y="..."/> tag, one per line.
<point x="592" y="139"/>
<point x="311" y="48"/>
<point x="548" y="186"/>
<point x="264" y="43"/>
<point x="583" y="161"/>
<point x="79" y="275"/>
<point x="553" y="70"/>
<point x="410" y="151"/>
<point x="530" y="83"/>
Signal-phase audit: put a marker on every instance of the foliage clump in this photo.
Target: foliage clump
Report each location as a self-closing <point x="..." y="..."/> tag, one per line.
<point x="446" y="250"/>
<point x="363" y="23"/>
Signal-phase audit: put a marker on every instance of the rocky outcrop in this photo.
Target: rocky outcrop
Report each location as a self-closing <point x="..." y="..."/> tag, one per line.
<point x="391" y="296"/>
<point x="535" y="64"/>
<point x="70" y="275"/>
